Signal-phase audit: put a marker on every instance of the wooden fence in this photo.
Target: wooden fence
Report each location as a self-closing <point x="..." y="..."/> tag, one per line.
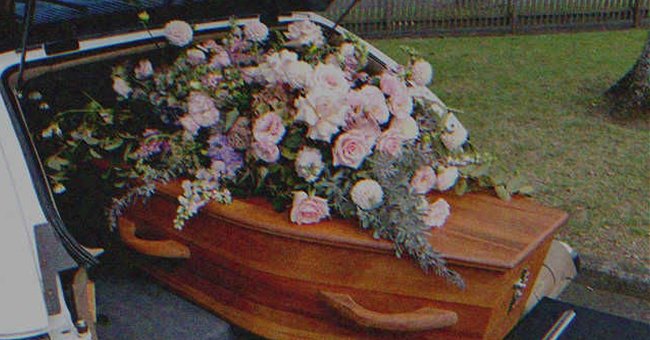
<point x="391" y="18"/>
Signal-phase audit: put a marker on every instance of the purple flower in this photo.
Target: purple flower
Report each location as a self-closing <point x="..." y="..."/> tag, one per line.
<point x="220" y="150"/>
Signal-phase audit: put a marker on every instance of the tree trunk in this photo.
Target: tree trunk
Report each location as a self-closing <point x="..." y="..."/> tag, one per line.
<point x="631" y="94"/>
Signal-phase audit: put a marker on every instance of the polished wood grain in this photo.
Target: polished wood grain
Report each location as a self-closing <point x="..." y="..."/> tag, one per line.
<point x="257" y="270"/>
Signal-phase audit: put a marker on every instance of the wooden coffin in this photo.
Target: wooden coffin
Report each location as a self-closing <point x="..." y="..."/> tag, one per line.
<point x="253" y="267"/>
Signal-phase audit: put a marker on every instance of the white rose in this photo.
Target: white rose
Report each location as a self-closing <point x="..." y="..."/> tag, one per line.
<point x="367" y="194"/>
<point x="298" y="74"/>
<point x="436" y="213"/>
<point x="309" y="164"/>
<point x="328" y="77"/>
<point x="323" y="111"/>
<point x="447" y="177"/>
<point x="401" y="105"/>
<point x="422" y="73"/>
<point x="179" y="33"/>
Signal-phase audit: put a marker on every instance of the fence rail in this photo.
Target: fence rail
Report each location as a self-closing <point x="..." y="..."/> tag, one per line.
<point x="390" y="18"/>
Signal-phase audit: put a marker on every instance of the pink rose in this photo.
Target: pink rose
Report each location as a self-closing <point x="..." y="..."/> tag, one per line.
<point x="423" y="180"/>
<point x="256" y="31"/>
<point x="267" y="152"/>
<point x="268" y="128"/>
<point x="308" y="209"/>
<point x="436" y="213"/>
<point x="390" y="142"/>
<point x="391" y="85"/>
<point x="179" y="33"/>
<point x="351" y="149"/>
<point x="143" y="70"/>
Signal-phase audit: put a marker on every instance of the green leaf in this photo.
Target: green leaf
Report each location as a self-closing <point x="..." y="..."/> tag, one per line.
<point x="502" y="192"/>
<point x="231" y="117"/>
<point x="94" y="154"/>
<point x="515" y="183"/>
<point x="288" y="154"/>
<point x="111" y="145"/>
<point x="56" y="163"/>
<point x="461" y="187"/>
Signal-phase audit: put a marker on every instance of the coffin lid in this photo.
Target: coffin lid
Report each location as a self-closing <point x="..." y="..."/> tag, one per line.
<point x="482" y="231"/>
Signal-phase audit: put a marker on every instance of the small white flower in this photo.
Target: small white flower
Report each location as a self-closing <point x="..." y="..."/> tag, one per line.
<point x="179" y="33"/>
<point x="309" y="164"/>
<point x="447" y="177"/>
<point x="367" y="194"/>
<point x="422" y="73"/>
<point x="328" y="77"/>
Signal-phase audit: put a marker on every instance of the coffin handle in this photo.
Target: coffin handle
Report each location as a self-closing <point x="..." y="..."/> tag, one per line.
<point x="423" y="319"/>
<point x="167" y="248"/>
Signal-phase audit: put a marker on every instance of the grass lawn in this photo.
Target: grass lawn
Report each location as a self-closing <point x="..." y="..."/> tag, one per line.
<point x="532" y="101"/>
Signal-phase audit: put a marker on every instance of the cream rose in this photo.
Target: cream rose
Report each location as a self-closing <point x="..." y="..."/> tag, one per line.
<point x="374" y="103"/>
<point x="268" y="128"/>
<point x="351" y="149"/>
<point x="179" y="33"/>
<point x="268" y="152"/>
<point x="298" y="74"/>
<point x="423" y="180"/>
<point x="401" y="105"/>
<point x="447" y="177"/>
<point x="367" y="194"/>
<point x="305" y="32"/>
<point x="309" y="164"/>
<point x="195" y="56"/>
<point x="407" y="127"/>
<point x="392" y="85"/>
<point x="308" y="209"/>
<point x="436" y="213"/>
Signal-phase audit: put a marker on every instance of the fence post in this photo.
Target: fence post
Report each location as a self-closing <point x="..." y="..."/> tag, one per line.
<point x="512" y="14"/>
<point x="388" y="16"/>
<point x="637" y="13"/>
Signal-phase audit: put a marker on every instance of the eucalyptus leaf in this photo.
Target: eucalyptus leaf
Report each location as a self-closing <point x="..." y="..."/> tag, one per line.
<point x="231" y="117"/>
<point x="526" y="190"/>
<point x="94" y="153"/>
<point x="502" y="193"/>
<point x="111" y="145"/>
<point x="56" y="163"/>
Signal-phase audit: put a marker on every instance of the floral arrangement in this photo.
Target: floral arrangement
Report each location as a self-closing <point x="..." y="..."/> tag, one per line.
<point x="308" y="122"/>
